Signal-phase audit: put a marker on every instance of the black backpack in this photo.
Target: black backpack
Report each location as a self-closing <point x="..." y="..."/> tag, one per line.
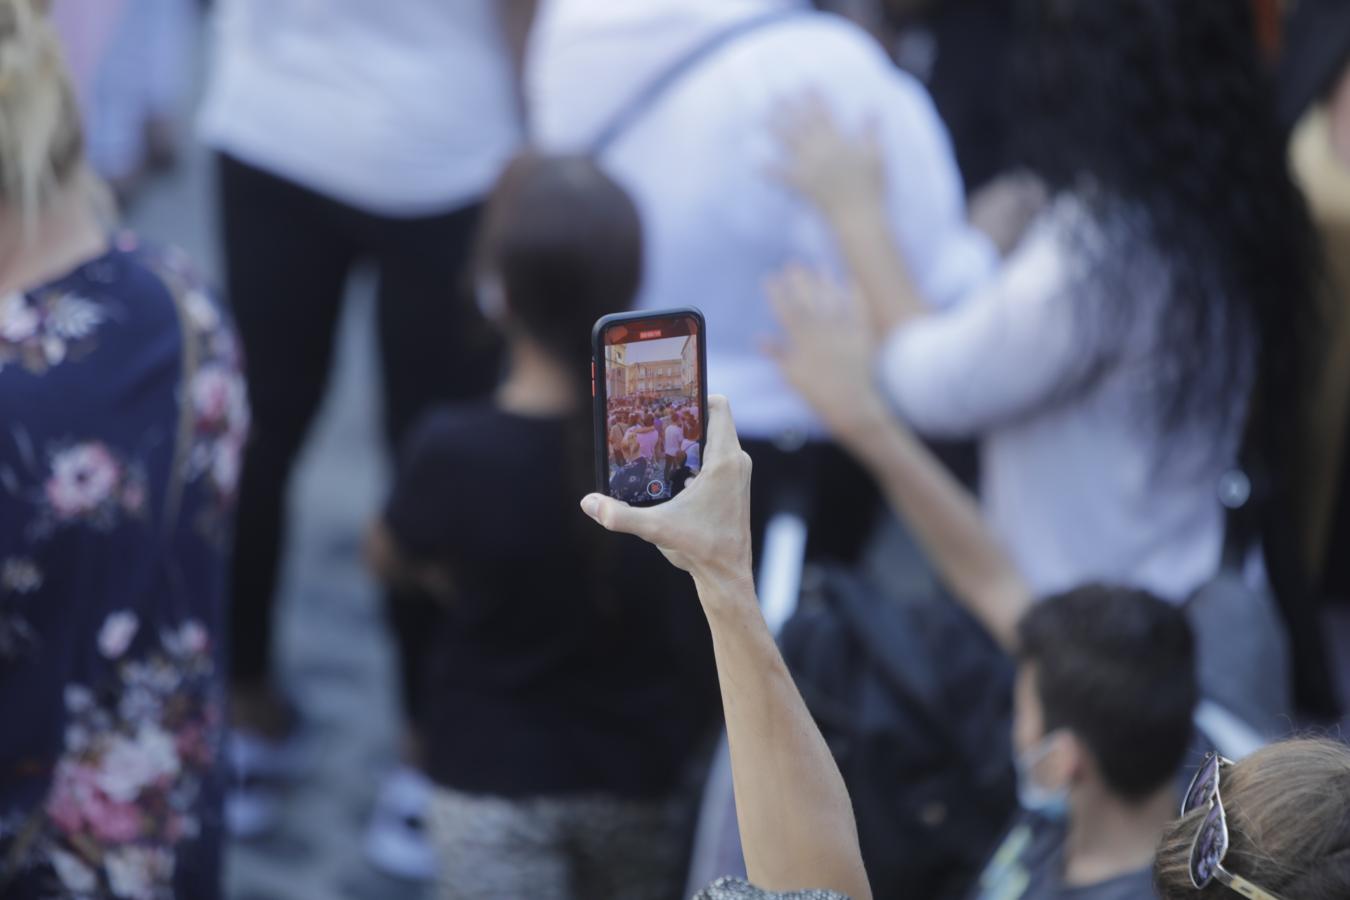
<point x="915" y="701"/>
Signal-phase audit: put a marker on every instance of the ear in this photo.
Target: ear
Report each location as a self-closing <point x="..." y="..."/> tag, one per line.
<point x="1074" y="761"/>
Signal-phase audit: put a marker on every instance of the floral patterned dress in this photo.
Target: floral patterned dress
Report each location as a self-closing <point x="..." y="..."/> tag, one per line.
<point x="122" y="423"/>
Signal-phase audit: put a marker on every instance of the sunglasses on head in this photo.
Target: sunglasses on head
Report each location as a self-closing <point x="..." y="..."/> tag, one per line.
<point x="1211" y="840"/>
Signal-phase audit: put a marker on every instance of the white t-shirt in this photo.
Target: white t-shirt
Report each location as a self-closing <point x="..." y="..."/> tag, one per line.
<point x="1074" y="484"/>
<point x="674" y="439"/>
<point x="716" y="221"/>
<point x="401" y="109"/>
<point x="647" y="439"/>
<point x="691" y="455"/>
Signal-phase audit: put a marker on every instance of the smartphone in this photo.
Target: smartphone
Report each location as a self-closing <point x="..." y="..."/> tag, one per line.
<point x="650" y="380"/>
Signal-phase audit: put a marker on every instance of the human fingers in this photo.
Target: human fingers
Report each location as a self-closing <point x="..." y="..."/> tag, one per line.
<point x="722" y="440"/>
<point x="617" y="516"/>
<point x="786" y="303"/>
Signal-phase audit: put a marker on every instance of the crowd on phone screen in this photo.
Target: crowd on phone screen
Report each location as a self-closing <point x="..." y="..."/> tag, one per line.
<point x="653" y="443"/>
<point x="1126" y="345"/>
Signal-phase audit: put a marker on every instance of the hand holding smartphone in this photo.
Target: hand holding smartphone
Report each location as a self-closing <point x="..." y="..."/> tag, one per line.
<point x="651" y="403"/>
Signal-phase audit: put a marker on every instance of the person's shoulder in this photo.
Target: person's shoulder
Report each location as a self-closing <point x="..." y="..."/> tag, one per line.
<point x="833" y="33"/>
<point x="1077" y="226"/>
<point x="139" y="289"/>
<point x="461" y="430"/>
<point x="165" y="262"/>
<point x="1134" y="885"/>
<point x="826" y="43"/>
<point x="844" y="64"/>
<point x="166" y="269"/>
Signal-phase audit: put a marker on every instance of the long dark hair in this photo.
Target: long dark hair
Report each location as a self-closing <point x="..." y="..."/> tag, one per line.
<point x="1159" y="114"/>
<point x="563" y="242"/>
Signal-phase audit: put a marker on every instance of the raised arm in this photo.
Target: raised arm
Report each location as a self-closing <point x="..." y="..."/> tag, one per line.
<point x="517" y="19"/>
<point x="829" y="360"/>
<point x="844" y="177"/>
<point x="796" y="820"/>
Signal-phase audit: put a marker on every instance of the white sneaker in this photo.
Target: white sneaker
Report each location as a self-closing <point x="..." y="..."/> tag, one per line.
<point x="396" y="839"/>
<point x="257" y="769"/>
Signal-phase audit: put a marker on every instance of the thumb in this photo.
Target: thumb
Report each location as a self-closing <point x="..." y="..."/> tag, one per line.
<point x="616" y="516"/>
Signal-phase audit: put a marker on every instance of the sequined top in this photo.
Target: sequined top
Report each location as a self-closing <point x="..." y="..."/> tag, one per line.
<point x="736" y="889"/>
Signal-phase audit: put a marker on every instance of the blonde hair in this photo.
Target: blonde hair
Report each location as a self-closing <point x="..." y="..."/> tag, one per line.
<point x="1288" y="810"/>
<point x="41" y="142"/>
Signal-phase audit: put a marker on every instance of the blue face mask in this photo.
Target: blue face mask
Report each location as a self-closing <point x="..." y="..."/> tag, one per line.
<point x="491" y="298"/>
<point x="1052" y="804"/>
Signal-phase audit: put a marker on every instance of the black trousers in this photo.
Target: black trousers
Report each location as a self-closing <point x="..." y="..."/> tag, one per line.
<point x="838" y="499"/>
<point x="821" y="483"/>
<point x="288" y="253"/>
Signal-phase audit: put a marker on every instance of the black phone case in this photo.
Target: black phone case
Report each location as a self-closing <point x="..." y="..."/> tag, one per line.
<point x="599" y="402"/>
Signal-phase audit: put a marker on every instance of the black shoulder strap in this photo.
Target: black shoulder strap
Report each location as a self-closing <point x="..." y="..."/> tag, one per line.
<point x="646" y="98"/>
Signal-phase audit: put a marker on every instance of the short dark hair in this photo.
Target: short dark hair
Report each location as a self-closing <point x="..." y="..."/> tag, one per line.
<point x="1116" y="667"/>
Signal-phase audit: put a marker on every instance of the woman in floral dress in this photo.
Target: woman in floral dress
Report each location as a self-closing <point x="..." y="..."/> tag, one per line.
<point x="122" y="420"/>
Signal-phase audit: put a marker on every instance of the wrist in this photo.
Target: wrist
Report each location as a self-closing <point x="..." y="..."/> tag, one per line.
<point x="863" y="419"/>
<point x="726" y="591"/>
<point x="863" y="216"/>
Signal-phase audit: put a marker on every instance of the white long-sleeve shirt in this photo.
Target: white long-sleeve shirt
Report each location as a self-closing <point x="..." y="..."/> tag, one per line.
<point x="402" y="109"/>
<point x="698" y="164"/>
<point x="1074" y="482"/>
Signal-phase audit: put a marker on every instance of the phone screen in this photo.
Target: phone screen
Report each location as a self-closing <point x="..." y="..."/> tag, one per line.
<point x="653" y="425"/>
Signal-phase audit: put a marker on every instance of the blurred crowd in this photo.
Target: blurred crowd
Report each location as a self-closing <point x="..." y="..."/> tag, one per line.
<point x="1043" y="304"/>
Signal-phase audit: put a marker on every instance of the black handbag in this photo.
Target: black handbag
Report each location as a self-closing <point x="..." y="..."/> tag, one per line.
<point x="915" y="700"/>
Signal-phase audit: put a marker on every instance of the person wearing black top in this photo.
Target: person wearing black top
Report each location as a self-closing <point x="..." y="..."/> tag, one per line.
<point x="572" y="679"/>
<point x="1314" y="94"/>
